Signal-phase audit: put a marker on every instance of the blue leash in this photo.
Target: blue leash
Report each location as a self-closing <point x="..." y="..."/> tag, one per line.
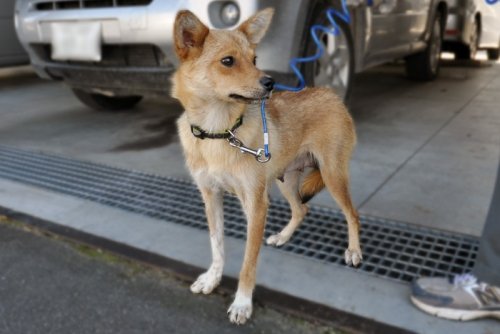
<point x="264" y="128"/>
<point x="294" y="63"/>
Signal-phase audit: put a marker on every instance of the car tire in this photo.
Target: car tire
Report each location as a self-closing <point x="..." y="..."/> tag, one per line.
<point x="425" y="65"/>
<point x="335" y="69"/>
<point x="106" y="103"/>
<point x="467" y="52"/>
<point x="493" y="54"/>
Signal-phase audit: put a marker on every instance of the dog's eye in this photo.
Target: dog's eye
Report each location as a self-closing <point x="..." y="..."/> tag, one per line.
<point x="255" y="60"/>
<point x="227" y="61"/>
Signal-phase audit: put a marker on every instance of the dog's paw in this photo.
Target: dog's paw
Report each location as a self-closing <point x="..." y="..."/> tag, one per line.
<point x="353" y="257"/>
<point x="278" y="239"/>
<point x="240" y="310"/>
<point x="206" y="282"/>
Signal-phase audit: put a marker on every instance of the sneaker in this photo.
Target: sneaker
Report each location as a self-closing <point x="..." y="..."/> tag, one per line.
<point x="460" y="298"/>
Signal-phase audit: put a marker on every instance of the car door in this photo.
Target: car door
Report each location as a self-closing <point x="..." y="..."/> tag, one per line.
<point x="11" y="51"/>
<point x="393" y="26"/>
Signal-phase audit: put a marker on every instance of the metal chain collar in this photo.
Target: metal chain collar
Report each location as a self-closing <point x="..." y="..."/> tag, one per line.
<point x="259" y="154"/>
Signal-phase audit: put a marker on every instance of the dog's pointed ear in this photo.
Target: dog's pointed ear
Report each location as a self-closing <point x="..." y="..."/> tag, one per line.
<point x="256" y="26"/>
<point x="189" y="35"/>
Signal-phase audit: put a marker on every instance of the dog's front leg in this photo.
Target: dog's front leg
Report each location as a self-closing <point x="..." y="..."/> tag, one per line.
<point x="255" y="204"/>
<point x="215" y="217"/>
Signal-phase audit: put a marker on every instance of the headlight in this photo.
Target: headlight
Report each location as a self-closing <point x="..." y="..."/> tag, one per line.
<point x="230" y="13"/>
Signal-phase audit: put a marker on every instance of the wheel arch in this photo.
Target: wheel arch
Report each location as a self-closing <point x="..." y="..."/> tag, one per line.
<point x="315" y="12"/>
<point x="437" y="7"/>
<point x="479" y="19"/>
<point x="442" y="10"/>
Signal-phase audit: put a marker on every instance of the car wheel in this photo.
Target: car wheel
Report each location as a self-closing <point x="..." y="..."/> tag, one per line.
<point x="493" y="54"/>
<point x="425" y="65"/>
<point x="106" y="103"/>
<point x="469" y="51"/>
<point x="335" y="68"/>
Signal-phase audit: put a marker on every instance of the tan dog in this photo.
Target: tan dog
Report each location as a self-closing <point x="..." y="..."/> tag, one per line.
<point x="217" y="83"/>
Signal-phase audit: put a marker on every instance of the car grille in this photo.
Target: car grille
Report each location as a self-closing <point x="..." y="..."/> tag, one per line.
<point x="77" y="4"/>
<point x="140" y="55"/>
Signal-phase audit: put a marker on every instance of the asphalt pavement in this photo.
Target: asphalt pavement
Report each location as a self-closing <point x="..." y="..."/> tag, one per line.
<point x="48" y="285"/>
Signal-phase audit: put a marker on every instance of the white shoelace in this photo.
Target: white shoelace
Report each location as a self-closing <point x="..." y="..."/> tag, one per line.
<point x="468" y="281"/>
<point x="465" y="280"/>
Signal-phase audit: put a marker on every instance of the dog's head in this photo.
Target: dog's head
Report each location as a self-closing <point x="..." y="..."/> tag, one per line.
<point x="220" y="64"/>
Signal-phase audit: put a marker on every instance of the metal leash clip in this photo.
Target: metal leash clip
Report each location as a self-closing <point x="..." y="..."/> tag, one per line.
<point x="258" y="154"/>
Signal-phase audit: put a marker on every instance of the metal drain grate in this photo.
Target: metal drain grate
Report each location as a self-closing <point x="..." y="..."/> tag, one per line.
<point x="391" y="249"/>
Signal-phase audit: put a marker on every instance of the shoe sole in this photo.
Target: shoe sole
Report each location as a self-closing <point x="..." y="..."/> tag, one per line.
<point x="453" y="314"/>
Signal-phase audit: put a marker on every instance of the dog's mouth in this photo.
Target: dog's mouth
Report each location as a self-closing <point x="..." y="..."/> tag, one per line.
<point x="246" y="99"/>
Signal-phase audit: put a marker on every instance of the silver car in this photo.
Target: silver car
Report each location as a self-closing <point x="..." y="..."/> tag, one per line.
<point x="472" y="25"/>
<point x="113" y="52"/>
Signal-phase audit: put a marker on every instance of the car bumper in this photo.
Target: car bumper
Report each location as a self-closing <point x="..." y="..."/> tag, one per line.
<point x="460" y="21"/>
<point x="455" y="28"/>
<point x="150" y="25"/>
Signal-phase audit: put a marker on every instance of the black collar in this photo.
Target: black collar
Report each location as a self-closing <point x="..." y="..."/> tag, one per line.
<point x="202" y="134"/>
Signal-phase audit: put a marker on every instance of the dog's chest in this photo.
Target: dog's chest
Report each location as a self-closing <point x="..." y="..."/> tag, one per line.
<point x="225" y="168"/>
<point x="217" y="180"/>
<point x="214" y="163"/>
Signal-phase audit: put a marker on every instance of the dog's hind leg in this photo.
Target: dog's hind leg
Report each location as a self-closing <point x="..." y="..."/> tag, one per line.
<point x="215" y="216"/>
<point x="255" y="204"/>
<point x="290" y="190"/>
<point x="336" y="177"/>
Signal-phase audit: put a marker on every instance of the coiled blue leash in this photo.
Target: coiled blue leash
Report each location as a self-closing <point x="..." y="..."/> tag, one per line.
<point x="334" y="29"/>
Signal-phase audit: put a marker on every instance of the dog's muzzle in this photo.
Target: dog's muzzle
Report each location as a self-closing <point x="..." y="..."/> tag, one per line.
<point x="267" y="82"/>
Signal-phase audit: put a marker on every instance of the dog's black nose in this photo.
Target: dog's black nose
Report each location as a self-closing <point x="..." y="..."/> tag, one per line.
<point x="267" y="83"/>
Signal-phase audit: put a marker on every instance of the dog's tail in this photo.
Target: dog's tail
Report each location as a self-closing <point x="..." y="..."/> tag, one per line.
<point x="312" y="184"/>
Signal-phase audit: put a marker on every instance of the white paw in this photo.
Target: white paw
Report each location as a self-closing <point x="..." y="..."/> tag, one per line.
<point x="240" y="310"/>
<point x="278" y="239"/>
<point x="353" y="257"/>
<point x="207" y="282"/>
